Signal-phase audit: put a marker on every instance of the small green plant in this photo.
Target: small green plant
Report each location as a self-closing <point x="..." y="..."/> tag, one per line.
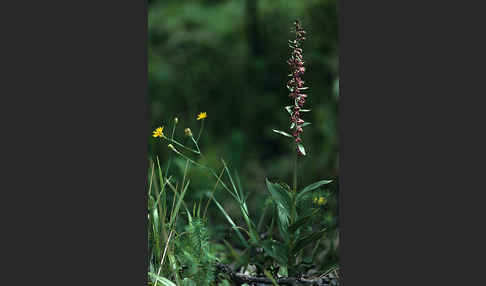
<point x="194" y="254"/>
<point x="282" y="251"/>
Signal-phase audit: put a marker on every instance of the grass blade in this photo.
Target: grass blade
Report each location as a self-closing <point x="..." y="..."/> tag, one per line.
<point x="235" y="228"/>
<point x="164" y="281"/>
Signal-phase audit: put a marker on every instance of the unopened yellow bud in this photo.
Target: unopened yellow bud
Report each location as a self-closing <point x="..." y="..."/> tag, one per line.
<point x="176" y="120"/>
<point x="188" y="132"/>
<point x="172" y="147"/>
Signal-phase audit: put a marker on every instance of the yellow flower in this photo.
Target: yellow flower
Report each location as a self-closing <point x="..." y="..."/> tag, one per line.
<point x="158" y="132"/>
<point x="320" y="201"/>
<point x="201" y="115"/>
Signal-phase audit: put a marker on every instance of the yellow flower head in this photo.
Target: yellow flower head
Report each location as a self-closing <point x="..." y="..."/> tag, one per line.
<point x="320" y="201"/>
<point x="158" y="132"/>
<point x="201" y="115"/>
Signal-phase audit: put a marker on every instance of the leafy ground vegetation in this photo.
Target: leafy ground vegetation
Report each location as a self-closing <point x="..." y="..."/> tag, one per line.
<point x="285" y="242"/>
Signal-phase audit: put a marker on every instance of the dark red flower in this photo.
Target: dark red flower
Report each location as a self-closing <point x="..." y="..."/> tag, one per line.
<point x="295" y="84"/>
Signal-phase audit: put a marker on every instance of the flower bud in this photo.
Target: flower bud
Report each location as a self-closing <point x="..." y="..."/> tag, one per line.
<point x="188" y="132"/>
<point x="172" y="147"/>
<point x="176" y="120"/>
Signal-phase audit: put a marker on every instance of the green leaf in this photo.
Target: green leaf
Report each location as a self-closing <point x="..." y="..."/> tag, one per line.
<point x="289" y="109"/>
<point x="306" y="240"/>
<point x="155" y="229"/>
<point x="307" y="211"/>
<point x="281" y="251"/>
<point x="301" y="149"/>
<point x="282" y="133"/>
<point x="306" y="123"/>
<point x="282" y="199"/>
<point x="235" y="255"/>
<point x="311" y="187"/>
<point x="164" y="281"/>
<point x="283" y="216"/>
<point x="178" y="205"/>
<point x="301" y="221"/>
<point x="234" y="227"/>
<point x="279" y="193"/>
<point x="224" y="283"/>
<point x="242" y="204"/>
<point x="260" y="222"/>
<point x="276" y="251"/>
<point x="267" y="273"/>
<point x="188" y="282"/>
<point x="336" y="88"/>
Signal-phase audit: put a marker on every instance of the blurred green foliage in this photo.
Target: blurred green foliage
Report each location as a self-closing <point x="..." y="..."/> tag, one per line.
<point x="228" y="58"/>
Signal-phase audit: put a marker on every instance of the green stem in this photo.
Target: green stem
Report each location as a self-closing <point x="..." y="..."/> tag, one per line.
<point x="210" y="170"/>
<point x="173" y="130"/>
<point x="294" y="188"/>
<point x="200" y="130"/>
<point x="295" y="169"/>
<point x="181" y="145"/>
<point x="293" y="210"/>
<point x="197" y="146"/>
<point x="211" y="197"/>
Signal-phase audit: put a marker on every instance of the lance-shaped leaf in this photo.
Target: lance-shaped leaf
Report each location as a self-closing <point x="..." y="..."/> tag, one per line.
<point x="301" y="149"/>
<point x="275" y="250"/>
<point x="307" y="240"/>
<point x="305" y="124"/>
<point x="164" y="281"/>
<point x="188" y="282"/>
<point x="282" y="133"/>
<point x="311" y="187"/>
<point x="301" y="221"/>
<point x="289" y="109"/>
<point x="282" y="200"/>
<point x="233" y="224"/>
